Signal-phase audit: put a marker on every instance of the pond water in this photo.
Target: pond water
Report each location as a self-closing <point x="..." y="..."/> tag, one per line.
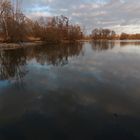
<point x="85" y="91"/>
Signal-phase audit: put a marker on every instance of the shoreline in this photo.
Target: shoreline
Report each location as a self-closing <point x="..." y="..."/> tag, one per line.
<point x="12" y="46"/>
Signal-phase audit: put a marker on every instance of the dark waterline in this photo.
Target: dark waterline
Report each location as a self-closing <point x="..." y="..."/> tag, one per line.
<point x="85" y="91"/>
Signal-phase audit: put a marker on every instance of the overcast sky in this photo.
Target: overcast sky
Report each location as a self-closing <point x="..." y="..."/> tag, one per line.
<point x="120" y="15"/>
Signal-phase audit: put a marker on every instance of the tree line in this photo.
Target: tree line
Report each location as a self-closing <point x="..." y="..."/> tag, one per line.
<point x="56" y="29"/>
<point x="107" y="34"/>
<point x="16" y="27"/>
<point x="125" y="36"/>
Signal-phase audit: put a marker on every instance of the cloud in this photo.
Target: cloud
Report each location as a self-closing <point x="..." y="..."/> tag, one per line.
<point x="121" y="15"/>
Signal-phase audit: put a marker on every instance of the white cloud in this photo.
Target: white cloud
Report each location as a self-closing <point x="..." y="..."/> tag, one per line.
<point x="121" y="15"/>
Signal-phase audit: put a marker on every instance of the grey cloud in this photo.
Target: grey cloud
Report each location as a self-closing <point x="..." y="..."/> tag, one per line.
<point x="92" y="13"/>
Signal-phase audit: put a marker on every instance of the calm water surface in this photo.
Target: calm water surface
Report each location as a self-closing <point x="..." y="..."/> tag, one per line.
<point x="86" y="91"/>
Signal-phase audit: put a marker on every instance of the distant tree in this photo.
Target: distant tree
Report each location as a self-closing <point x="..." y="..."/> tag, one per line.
<point x="103" y="34"/>
<point x="124" y="36"/>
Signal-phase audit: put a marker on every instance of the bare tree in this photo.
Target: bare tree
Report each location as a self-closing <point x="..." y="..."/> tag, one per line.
<point x="16" y="27"/>
<point x="6" y="12"/>
<point x="12" y="22"/>
<point x="103" y="34"/>
<point x="56" y="29"/>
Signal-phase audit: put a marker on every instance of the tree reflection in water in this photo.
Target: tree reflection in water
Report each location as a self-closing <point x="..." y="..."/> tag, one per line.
<point x="131" y="43"/>
<point x="56" y="55"/>
<point x="102" y="45"/>
<point x="12" y="64"/>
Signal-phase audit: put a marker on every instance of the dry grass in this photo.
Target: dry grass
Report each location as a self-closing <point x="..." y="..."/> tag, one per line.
<point x="33" y="39"/>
